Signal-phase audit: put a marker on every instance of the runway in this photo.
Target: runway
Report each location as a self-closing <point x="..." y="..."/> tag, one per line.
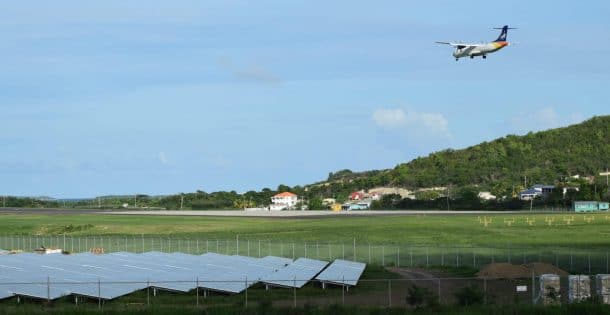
<point x="244" y="214"/>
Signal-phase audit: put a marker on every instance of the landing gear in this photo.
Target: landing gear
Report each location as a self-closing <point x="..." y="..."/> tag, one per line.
<point x="456" y="59"/>
<point x="484" y="57"/>
<point x="471" y="57"/>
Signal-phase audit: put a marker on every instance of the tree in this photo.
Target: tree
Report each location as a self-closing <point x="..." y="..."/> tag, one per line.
<point x="427" y="195"/>
<point x="283" y="188"/>
<point x="470" y="295"/>
<point x="315" y="204"/>
<point x="419" y="297"/>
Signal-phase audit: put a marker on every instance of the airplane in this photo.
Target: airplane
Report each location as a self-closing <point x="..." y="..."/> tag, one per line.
<point x="474" y="50"/>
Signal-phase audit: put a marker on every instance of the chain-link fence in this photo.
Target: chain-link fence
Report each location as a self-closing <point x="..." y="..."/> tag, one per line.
<point x="574" y="260"/>
<point x="403" y="292"/>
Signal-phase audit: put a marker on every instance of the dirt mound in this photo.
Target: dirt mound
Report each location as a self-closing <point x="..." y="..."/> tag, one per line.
<point x="510" y="271"/>
<point x="543" y="268"/>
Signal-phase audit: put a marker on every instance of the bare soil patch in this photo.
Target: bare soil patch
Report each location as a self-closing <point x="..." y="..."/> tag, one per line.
<point x="510" y="271"/>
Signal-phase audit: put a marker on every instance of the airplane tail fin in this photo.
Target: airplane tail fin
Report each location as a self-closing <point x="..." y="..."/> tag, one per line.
<point x="502" y="37"/>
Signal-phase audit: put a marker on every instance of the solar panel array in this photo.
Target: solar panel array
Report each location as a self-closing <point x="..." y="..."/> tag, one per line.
<point x="297" y="274"/>
<point x="342" y="272"/>
<point x="113" y="275"/>
<point x="117" y="274"/>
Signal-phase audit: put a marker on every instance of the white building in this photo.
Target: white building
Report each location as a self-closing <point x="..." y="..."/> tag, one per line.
<point x="486" y="195"/>
<point x="283" y="201"/>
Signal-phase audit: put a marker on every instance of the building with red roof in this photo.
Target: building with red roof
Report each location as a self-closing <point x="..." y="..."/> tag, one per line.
<point x="283" y="201"/>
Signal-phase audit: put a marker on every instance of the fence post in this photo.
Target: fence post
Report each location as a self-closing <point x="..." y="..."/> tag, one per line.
<point x="259" y="248"/>
<point x="48" y="289"/>
<point x="343" y="250"/>
<point x="246" y="302"/>
<point x="148" y="292"/>
<point x="317" y="250"/>
<point x="533" y="289"/>
<point x="99" y="293"/>
<point x="294" y="292"/>
<point x="197" y="291"/>
<point x="485" y="290"/>
<point x="293" y="250"/>
<point x="389" y="293"/>
<point x="474" y="258"/>
<point x="439" y="291"/>
<point x="411" y="256"/>
<point x="343" y="291"/>
<point x="398" y="256"/>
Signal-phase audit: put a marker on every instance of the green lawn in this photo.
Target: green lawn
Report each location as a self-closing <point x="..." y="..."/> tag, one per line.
<point x="432" y="229"/>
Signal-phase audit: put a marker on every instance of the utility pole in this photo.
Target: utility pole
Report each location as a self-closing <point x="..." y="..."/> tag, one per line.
<point x="181" y="200"/>
<point x="606" y="173"/>
<point x="135" y="200"/>
<point x="448" y="188"/>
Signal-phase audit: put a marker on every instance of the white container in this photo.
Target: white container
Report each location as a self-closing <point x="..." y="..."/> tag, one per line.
<point x="579" y="288"/>
<point x="550" y="290"/>
<point x="602" y="284"/>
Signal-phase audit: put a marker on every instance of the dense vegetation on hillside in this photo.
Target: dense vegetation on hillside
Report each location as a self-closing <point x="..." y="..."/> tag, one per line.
<point x="501" y="165"/>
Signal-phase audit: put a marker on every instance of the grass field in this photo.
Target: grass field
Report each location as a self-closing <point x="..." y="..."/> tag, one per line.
<point x="462" y="230"/>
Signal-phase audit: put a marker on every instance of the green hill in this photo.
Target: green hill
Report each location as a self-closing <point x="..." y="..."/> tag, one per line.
<point x="544" y="157"/>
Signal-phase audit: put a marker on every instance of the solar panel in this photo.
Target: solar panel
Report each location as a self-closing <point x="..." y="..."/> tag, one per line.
<point x="342" y="272"/>
<point x="297" y="274"/>
<point x="53" y="276"/>
<point x="109" y="276"/>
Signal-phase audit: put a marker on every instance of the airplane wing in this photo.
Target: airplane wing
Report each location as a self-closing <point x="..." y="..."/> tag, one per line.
<point x="458" y="45"/>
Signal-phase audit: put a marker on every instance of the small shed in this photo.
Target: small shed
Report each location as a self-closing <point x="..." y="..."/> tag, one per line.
<point x="585" y="206"/>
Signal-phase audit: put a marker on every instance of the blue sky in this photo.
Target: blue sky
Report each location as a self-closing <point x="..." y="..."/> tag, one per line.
<point x="161" y="97"/>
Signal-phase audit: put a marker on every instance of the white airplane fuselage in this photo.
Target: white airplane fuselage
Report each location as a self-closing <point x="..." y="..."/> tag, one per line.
<point x="478" y="50"/>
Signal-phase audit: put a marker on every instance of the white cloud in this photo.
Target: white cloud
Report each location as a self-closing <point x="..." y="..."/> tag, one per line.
<point x="163" y="158"/>
<point x="396" y="118"/>
<point x="542" y="119"/>
<point x="389" y="118"/>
